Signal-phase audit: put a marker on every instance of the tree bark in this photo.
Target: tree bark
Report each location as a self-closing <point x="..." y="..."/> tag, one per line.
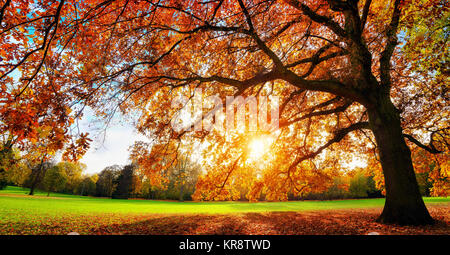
<point x="181" y="193"/>
<point x="36" y="179"/>
<point x="404" y="204"/>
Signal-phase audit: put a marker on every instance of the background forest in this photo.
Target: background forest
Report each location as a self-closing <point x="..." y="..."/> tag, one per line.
<point x="179" y="183"/>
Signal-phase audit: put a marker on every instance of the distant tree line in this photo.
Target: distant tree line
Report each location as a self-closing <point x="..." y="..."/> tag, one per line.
<point x="123" y="182"/>
<point x="359" y="183"/>
<point x="180" y="181"/>
<point x="62" y="177"/>
<point x="116" y="182"/>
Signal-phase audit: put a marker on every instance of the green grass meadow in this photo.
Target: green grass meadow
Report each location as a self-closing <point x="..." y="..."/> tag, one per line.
<point x="15" y="198"/>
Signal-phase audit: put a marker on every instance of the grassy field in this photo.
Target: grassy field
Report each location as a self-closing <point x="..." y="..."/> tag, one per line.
<point x="20" y="213"/>
<point x="15" y="199"/>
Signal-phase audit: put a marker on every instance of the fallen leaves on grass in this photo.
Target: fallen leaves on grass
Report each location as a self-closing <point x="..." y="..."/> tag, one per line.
<point x="327" y="222"/>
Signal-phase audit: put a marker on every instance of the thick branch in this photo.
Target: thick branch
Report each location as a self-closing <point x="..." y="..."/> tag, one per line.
<point x="315" y="60"/>
<point x="386" y="55"/>
<point x="430" y="148"/>
<point x="45" y="46"/>
<point x="338" y="109"/>
<point x="258" y="40"/>
<point x="365" y="13"/>
<point x="338" y="136"/>
<point x="330" y="86"/>
<point x="2" y="10"/>
<point x="335" y="27"/>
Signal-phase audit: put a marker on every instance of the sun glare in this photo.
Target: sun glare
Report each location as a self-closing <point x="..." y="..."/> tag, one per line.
<point x="258" y="147"/>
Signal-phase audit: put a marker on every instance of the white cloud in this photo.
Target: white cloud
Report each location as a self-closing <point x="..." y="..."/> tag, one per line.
<point x="108" y="148"/>
<point x="114" y="149"/>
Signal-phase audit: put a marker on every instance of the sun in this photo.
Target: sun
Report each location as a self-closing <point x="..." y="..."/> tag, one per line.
<point x="258" y="147"/>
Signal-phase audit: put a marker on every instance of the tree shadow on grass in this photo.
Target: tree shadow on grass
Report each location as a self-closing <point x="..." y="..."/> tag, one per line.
<point x="177" y="225"/>
<point x="291" y="223"/>
<point x="342" y="222"/>
<point x="336" y="222"/>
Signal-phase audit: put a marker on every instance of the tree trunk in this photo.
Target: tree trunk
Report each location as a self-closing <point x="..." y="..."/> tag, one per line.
<point x="82" y="188"/>
<point x="404" y="204"/>
<point x="32" y="189"/>
<point x="37" y="176"/>
<point x="181" y="193"/>
<point x="35" y="180"/>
